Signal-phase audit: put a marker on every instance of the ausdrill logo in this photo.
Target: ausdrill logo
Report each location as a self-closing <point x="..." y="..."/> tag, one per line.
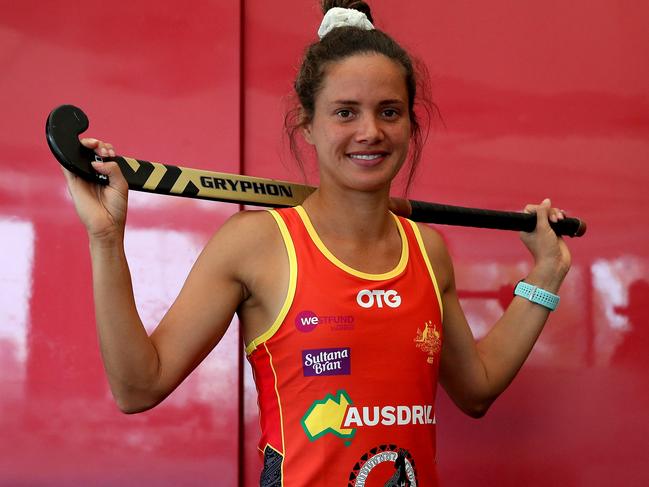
<point x="226" y="184"/>
<point x="337" y="414"/>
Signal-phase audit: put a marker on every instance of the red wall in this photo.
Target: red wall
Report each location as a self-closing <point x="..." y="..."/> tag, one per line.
<point x="538" y="100"/>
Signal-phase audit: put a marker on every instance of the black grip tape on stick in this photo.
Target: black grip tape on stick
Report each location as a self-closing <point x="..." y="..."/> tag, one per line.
<point x="481" y="218"/>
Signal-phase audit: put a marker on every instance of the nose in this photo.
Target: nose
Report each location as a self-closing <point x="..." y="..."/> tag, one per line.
<point x="369" y="130"/>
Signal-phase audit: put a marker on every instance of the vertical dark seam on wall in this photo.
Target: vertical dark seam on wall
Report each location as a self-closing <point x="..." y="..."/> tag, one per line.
<point x="242" y="131"/>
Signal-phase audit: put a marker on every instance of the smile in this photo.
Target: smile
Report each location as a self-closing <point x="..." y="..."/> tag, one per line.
<point x="365" y="157"/>
<point x="368" y="158"/>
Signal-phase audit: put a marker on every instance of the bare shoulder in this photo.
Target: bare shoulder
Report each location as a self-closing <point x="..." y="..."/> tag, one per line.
<point x="245" y="239"/>
<point x="258" y="261"/>
<point x="438" y="254"/>
<point x="251" y="226"/>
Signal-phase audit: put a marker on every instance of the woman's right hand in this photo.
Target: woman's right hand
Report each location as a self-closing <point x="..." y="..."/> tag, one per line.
<point x="102" y="209"/>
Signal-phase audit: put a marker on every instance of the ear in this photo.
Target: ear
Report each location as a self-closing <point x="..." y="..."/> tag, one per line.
<point x="305" y="125"/>
<point x="306" y="132"/>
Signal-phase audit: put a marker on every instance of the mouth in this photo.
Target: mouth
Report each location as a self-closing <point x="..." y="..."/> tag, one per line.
<point x="367" y="158"/>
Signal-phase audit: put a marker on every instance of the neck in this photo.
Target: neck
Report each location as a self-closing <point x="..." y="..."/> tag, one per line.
<point x="350" y="215"/>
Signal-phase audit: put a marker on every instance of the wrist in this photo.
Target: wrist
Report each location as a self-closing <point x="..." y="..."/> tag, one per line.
<point x="105" y="241"/>
<point x="537" y="295"/>
<point x="548" y="277"/>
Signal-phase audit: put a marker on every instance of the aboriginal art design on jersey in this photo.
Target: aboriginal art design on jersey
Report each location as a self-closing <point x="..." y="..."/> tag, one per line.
<point x="271" y="475"/>
<point x="375" y="465"/>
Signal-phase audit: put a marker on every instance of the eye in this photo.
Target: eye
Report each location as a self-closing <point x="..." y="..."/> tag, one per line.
<point x="390" y="113"/>
<point x="344" y="113"/>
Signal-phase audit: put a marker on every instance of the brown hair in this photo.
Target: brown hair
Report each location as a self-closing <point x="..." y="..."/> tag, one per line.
<point x="341" y="43"/>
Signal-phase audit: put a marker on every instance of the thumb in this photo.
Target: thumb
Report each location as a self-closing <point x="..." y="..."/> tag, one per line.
<point x="113" y="172"/>
<point x="542" y="212"/>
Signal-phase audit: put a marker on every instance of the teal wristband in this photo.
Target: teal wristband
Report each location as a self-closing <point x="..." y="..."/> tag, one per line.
<point x="537" y="295"/>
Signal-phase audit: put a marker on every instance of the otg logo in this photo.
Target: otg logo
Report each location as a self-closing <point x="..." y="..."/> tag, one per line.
<point x="367" y="298"/>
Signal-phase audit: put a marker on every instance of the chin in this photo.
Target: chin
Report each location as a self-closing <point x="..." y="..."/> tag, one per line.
<point x="370" y="185"/>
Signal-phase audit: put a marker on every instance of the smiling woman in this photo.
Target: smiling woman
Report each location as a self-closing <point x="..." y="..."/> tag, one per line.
<point x="361" y="127"/>
<point x="355" y="35"/>
<point x="340" y="254"/>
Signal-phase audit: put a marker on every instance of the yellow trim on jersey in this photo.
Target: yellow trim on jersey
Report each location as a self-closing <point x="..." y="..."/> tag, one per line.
<point x="422" y="247"/>
<point x="279" y="404"/>
<point x="334" y="260"/>
<point x="290" y="293"/>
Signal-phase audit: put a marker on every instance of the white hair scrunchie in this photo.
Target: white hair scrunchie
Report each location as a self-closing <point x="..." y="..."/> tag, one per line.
<point x="343" y="17"/>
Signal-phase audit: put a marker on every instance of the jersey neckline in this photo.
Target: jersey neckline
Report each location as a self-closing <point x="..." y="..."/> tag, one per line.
<point x="315" y="238"/>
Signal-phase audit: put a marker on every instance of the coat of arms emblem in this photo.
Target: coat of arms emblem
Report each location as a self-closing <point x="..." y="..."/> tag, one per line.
<point x="429" y="341"/>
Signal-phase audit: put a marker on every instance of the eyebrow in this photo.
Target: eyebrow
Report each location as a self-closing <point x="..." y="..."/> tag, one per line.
<point x="355" y="103"/>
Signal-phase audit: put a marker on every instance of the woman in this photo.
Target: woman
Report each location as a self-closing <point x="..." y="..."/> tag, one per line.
<point x="343" y="305"/>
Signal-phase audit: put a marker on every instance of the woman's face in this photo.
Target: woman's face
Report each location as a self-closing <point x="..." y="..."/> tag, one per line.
<point x="361" y="123"/>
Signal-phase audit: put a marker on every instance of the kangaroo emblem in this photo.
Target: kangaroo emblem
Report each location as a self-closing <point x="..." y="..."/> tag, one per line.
<point x="400" y="478"/>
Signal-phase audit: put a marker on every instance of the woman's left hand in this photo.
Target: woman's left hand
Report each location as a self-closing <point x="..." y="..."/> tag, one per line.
<point x="551" y="255"/>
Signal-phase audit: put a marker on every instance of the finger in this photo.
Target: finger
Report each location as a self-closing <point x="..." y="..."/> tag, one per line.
<point x="531" y="209"/>
<point x="555" y="215"/>
<point x="110" y="149"/>
<point x="115" y="177"/>
<point x="105" y="150"/>
<point x="543" y="213"/>
<point x="89" y="142"/>
<point x="101" y="148"/>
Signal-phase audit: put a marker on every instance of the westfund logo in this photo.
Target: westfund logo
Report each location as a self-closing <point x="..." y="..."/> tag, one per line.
<point x="326" y="361"/>
<point x="306" y="321"/>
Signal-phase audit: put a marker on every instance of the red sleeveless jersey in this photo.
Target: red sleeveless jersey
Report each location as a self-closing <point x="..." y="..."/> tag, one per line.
<point x="347" y="373"/>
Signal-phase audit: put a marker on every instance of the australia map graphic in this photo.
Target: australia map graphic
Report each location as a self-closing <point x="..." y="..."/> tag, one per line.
<point x="327" y="416"/>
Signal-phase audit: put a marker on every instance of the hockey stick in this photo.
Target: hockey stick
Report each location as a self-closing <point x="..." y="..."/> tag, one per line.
<point x="67" y="122"/>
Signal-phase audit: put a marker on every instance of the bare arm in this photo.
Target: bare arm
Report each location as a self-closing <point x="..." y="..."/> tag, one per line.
<point x="143" y="370"/>
<point x="475" y="373"/>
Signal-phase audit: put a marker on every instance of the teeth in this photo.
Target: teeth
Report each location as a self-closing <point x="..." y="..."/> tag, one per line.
<point x="365" y="157"/>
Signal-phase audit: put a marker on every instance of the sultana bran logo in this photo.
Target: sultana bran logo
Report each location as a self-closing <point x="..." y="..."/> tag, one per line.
<point x="429" y="341"/>
<point x="326" y="361"/>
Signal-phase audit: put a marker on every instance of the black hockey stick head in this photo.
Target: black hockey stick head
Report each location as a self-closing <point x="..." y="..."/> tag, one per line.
<point x="63" y="126"/>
